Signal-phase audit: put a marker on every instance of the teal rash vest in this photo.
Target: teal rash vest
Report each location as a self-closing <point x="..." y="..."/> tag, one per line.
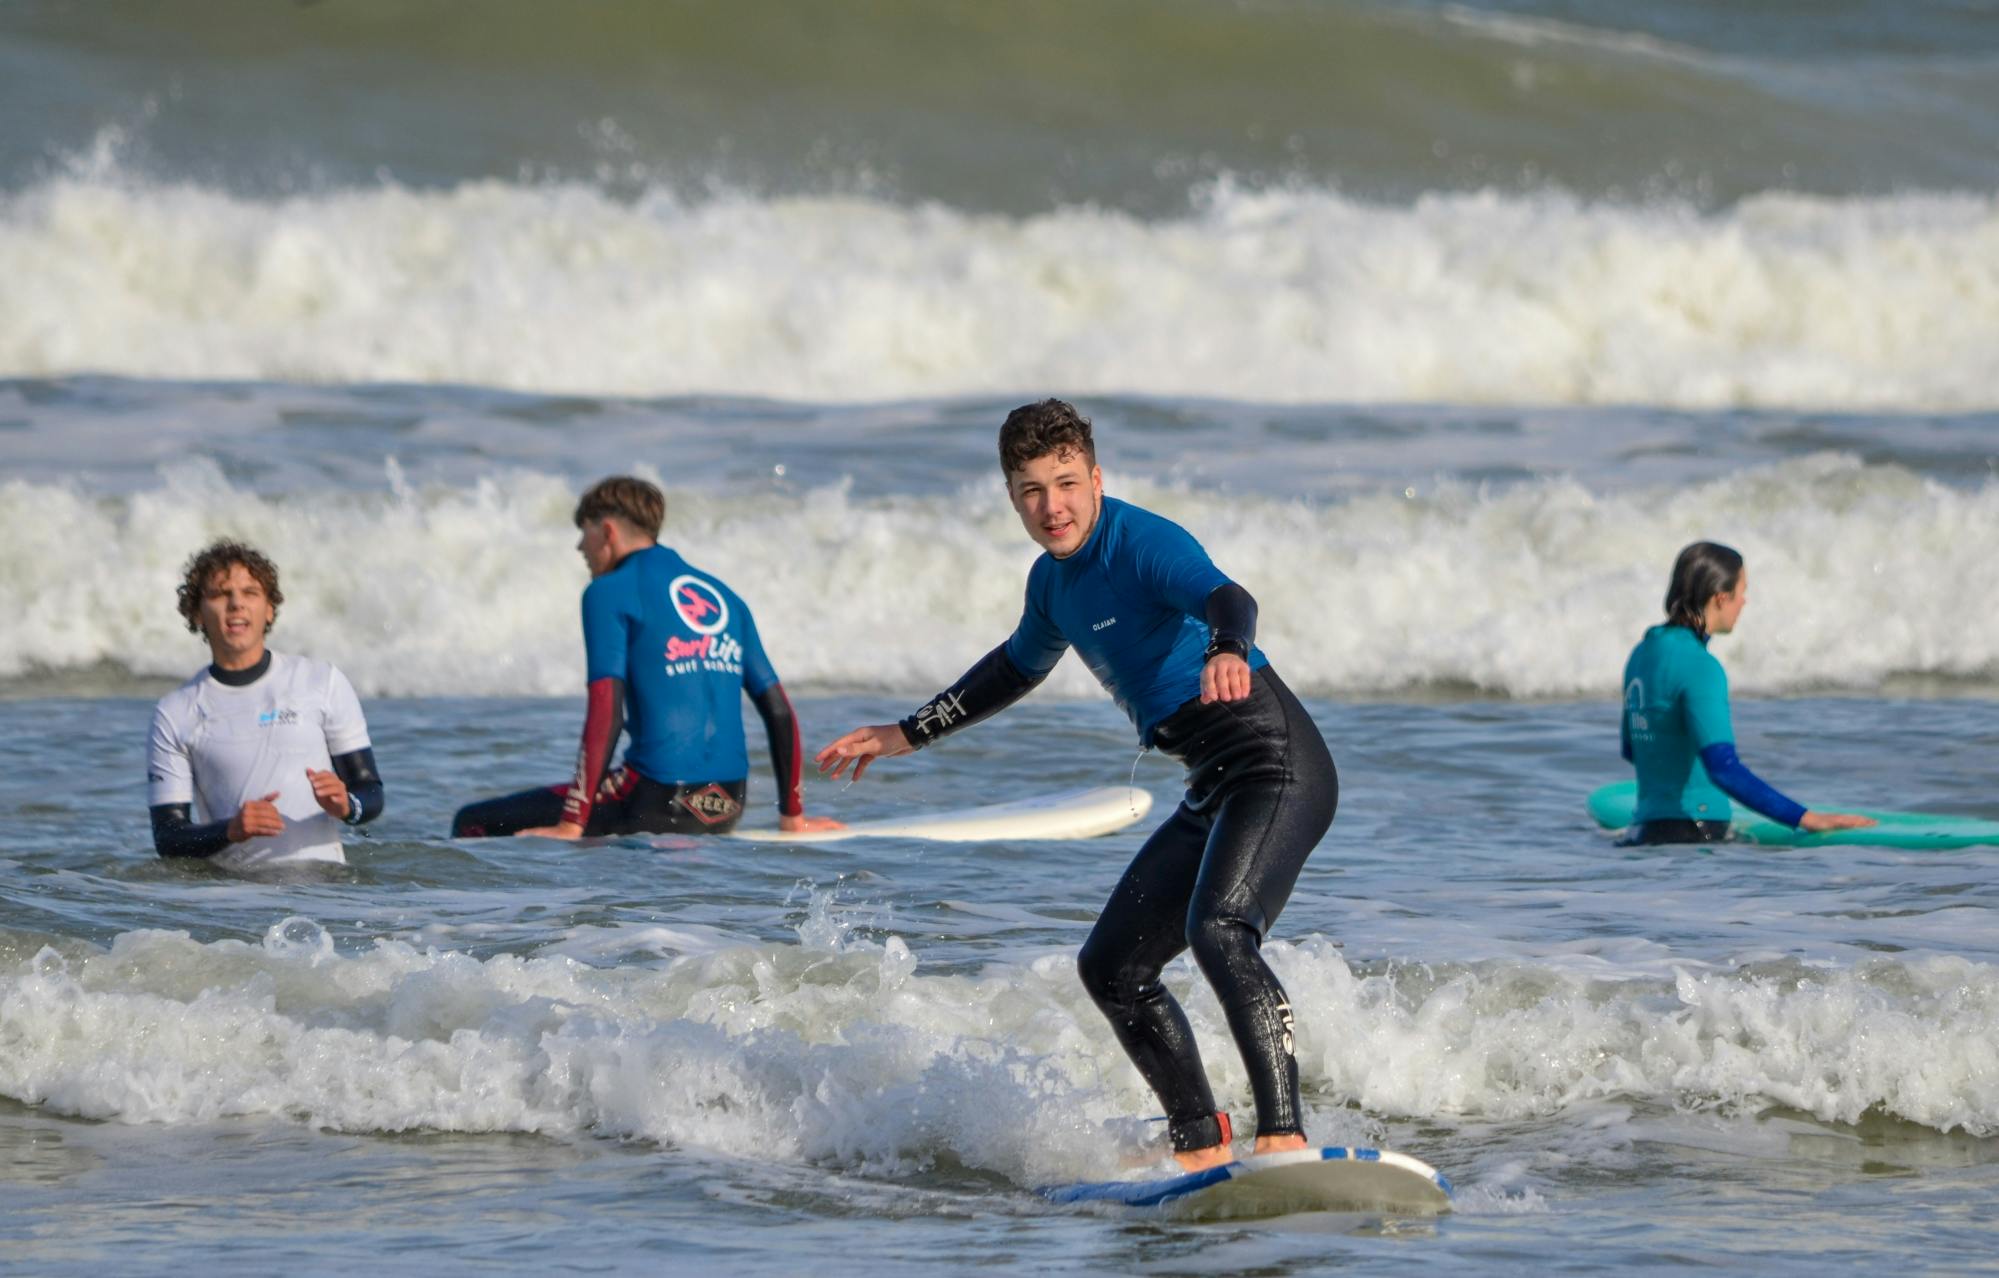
<point x="1678" y="735"/>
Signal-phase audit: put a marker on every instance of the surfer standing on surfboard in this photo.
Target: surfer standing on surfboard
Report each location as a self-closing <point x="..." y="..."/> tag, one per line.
<point x="262" y="756"/>
<point x="1172" y="640"/>
<point x="1676" y="728"/>
<point x="675" y="649"/>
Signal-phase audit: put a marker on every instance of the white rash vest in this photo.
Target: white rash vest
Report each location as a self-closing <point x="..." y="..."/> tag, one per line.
<point x="219" y="747"/>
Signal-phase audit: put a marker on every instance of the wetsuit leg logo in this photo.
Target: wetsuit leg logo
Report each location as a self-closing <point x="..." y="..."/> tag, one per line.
<point x="711" y="804"/>
<point x="1284" y="1015"/>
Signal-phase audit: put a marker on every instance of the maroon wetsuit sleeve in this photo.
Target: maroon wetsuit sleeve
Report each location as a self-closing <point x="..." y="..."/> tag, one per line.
<point x="786" y="752"/>
<point x="602" y="723"/>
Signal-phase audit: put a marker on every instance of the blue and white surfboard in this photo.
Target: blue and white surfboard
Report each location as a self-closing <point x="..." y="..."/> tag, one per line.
<point x="1331" y="1179"/>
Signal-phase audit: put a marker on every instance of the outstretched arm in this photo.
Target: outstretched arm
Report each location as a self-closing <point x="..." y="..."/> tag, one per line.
<point x="1745" y="787"/>
<point x="980" y="693"/>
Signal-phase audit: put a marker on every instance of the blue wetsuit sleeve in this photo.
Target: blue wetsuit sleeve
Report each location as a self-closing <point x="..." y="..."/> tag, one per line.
<point x="1745" y="787"/>
<point x="1169" y="562"/>
<point x="1036" y="643"/>
<point x="606" y="634"/>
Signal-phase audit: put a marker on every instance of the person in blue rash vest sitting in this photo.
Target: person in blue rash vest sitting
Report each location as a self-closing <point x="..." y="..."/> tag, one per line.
<point x="1173" y="641"/>
<point x="1676" y="728"/>
<point x="670" y="652"/>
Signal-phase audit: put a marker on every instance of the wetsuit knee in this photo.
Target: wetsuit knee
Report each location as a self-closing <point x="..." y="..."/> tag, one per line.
<point x="1220" y="943"/>
<point x="1107" y="977"/>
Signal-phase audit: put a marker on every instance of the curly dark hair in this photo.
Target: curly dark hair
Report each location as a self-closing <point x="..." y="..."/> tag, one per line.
<point x="219" y="557"/>
<point x="1036" y="430"/>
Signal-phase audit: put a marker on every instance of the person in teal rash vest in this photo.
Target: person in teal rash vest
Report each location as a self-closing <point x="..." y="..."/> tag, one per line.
<point x="1676" y="728"/>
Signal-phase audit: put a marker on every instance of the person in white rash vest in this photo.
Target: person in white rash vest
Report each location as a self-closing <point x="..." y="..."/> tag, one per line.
<point x="261" y="757"/>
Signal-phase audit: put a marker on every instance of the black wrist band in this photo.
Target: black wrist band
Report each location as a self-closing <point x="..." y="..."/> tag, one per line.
<point x="1225" y="643"/>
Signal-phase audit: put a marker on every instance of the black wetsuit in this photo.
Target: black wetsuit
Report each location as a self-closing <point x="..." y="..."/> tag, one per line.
<point x="1261" y="792"/>
<point x="1145" y="608"/>
<point x="626" y="803"/>
<point x="1673" y="830"/>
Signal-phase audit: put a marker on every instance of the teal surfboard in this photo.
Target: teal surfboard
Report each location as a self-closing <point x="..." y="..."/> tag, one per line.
<point x="1613" y="805"/>
<point x="1330" y="1179"/>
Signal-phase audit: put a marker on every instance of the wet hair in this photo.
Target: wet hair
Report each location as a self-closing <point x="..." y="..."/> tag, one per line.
<point x="1703" y="570"/>
<point x="220" y="557"/>
<point x="638" y="503"/>
<point x="1036" y="430"/>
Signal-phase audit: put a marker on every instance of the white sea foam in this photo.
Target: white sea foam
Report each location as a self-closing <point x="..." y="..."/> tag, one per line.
<point x="1289" y="295"/>
<point x="851" y="1054"/>
<point x="1860" y="572"/>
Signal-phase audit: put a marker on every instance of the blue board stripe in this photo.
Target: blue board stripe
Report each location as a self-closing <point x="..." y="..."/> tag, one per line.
<point x="1151" y="1193"/>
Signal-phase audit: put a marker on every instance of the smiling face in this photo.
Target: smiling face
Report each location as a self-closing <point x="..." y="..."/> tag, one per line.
<point x="1724" y="608"/>
<point x="235" y="614"/>
<point x="1058" y="497"/>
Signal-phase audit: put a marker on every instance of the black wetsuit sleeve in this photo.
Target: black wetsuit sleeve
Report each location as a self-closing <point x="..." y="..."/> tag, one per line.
<point x="786" y="751"/>
<point x="1231" y="620"/>
<point x="980" y="693"/>
<point x="356" y="769"/>
<point x="176" y="834"/>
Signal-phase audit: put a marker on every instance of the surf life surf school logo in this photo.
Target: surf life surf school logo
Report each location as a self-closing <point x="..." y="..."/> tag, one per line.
<point x="278" y="719"/>
<point x="702" y="608"/>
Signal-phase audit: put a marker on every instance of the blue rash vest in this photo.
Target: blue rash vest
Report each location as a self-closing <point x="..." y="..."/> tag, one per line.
<point x="1132" y="600"/>
<point x="1678" y="735"/>
<point x="687" y="649"/>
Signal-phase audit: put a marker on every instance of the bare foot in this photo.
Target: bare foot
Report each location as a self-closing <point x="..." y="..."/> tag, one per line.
<point x="1278" y="1144"/>
<point x="1194" y="1160"/>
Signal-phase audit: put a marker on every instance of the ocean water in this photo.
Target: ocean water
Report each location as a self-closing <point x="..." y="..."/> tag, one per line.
<point x="1441" y="326"/>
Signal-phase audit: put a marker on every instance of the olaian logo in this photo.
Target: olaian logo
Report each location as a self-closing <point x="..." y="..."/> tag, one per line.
<point x="700" y="605"/>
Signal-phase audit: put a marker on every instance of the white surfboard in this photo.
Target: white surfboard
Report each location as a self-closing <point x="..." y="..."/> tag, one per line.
<point x="1072" y="814"/>
<point x="1331" y="1179"/>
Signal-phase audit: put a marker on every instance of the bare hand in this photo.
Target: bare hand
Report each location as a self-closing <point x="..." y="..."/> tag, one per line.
<point x="560" y="830"/>
<point x="331" y="791"/>
<point x="802" y="824"/>
<point x="861" y="747"/>
<point x="1818" y="822"/>
<point x="1224" y="678"/>
<point x="258" y="818"/>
